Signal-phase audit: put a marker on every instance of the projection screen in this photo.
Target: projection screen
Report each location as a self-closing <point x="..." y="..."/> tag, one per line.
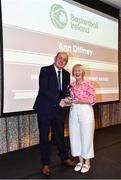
<point x="34" y="31"/>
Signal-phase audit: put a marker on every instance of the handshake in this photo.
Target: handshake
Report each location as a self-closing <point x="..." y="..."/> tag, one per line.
<point x="66" y="102"/>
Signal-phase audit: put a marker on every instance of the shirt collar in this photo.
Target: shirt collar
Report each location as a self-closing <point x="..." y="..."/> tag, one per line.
<point x="56" y="69"/>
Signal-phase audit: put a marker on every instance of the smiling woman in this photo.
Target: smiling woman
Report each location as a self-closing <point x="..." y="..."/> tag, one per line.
<point x="81" y="119"/>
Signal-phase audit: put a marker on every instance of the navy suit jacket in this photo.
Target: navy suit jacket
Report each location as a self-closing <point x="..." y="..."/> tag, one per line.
<point x="47" y="97"/>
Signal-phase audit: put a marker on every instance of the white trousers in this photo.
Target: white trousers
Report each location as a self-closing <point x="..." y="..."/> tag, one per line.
<point x="81" y="130"/>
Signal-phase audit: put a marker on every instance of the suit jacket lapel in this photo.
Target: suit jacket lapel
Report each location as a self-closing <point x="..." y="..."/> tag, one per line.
<point x="54" y="76"/>
<point x="63" y="79"/>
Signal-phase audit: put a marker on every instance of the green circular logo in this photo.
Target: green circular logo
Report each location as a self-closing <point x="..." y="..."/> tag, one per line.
<point x="58" y="16"/>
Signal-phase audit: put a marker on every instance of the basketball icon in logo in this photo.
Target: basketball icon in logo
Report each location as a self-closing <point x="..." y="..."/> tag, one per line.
<point x="58" y="16"/>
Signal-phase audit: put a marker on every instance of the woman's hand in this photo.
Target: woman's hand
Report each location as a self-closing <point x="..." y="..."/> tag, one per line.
<point x="76" y="101"/>
<point x="68" y="100"/>
<point x="80" y="101"/>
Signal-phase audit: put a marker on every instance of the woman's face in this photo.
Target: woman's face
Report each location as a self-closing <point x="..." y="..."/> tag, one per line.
<point x="78" y="73"/>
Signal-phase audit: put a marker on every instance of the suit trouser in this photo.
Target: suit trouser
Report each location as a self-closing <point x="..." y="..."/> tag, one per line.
<point x="55" y="120"/>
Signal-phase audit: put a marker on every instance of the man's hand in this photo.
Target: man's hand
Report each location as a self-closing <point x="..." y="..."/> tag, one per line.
<point x="65" y="102"/>
<point x="68" y="101"/>
<point x="62" y="103"/>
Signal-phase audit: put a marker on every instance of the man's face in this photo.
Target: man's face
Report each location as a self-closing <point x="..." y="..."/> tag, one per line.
<point x="61" y="60"/>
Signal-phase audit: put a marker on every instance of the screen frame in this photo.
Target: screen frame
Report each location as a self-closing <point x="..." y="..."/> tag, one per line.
<point x="96" y="5"/>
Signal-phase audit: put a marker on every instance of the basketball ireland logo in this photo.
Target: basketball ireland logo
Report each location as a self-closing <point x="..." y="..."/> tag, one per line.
<point x="58" y="16"/>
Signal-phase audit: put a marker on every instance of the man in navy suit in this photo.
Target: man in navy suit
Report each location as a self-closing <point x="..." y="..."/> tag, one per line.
<point x="49" y="106"/>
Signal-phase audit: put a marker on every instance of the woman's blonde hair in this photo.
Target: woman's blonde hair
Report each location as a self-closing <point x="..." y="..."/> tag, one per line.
<point x="78" y="65"/>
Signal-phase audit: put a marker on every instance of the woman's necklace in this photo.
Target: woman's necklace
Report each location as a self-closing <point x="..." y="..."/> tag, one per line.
<point x="78" y="83"/>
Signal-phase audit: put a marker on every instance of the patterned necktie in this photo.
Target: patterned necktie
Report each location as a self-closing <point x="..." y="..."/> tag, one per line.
<point x="59" y="81"/>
